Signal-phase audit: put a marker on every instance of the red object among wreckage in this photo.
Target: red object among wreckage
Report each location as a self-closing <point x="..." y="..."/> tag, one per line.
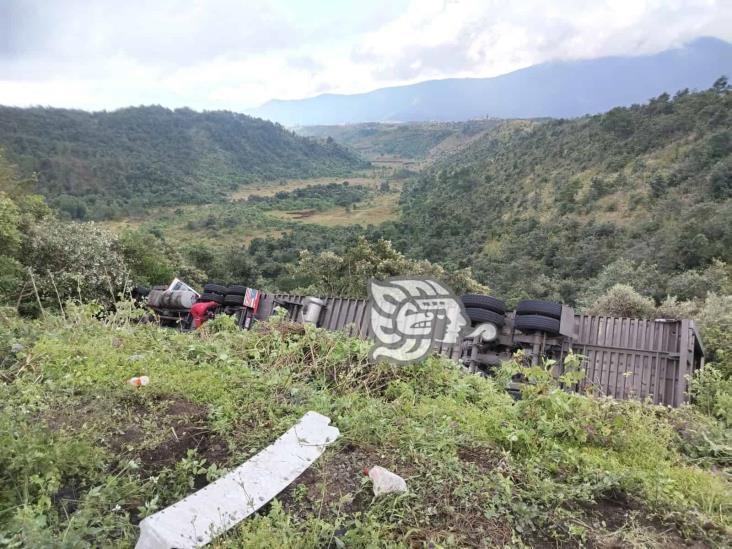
<point x="199" y="311"/>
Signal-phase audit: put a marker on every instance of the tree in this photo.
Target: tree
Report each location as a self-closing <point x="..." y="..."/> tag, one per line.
<point x="643" y="277"/>
<point x="720" y="179"/>
<point x="151" y="260"/>
<point x="721" y="85"/>
<point x="19" y="210"/>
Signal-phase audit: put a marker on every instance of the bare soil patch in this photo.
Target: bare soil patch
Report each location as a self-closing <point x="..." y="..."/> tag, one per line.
<point x="335" y="484"/>
<point x="157" y="433"/>
<point x="188" y="431"/>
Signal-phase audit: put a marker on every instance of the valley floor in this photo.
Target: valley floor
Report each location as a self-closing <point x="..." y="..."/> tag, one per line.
<point x="235" y="221"/>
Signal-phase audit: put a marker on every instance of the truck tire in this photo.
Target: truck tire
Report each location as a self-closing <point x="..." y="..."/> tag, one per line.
<point x="140" y="291"/>
<point x="542" y="308"/>
<point x="477" y="301"/>
<point x="536" y="323"/>
<point x="479" y="316"/>
<point x="235" y="289"/>
<point x="208" y="296"/>
<point x="234" y="299"/>
<point x="214" y="289"/>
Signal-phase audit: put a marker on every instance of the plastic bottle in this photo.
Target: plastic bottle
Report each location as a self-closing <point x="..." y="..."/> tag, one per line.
<point x="139" y="381"/>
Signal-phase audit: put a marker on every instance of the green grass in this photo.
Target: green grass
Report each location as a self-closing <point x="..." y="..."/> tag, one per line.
<point x="234" y="222"/>
<point x="378" y="210"/>
<point x="86" y="456"/>
<point x="371" y="179"/>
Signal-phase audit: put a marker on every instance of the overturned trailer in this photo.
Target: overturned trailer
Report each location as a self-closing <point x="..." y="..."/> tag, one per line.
<point x="626" y="358"/>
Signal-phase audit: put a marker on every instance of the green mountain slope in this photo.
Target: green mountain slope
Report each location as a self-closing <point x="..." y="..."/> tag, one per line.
<point x="416" y="140"/>
<point x="105" y="163"/>
<point x="540" y="208"/>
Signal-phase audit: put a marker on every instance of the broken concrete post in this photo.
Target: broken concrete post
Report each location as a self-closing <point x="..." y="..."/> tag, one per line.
<point x="195" y="520"/>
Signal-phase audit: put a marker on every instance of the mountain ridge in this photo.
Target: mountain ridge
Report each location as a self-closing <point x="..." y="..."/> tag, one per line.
<point x="111" y="162"/>
<point x="557" y="89"/>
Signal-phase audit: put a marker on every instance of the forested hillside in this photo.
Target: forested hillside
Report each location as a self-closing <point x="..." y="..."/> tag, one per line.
<point x="102" y="164"/>
<point x="639" y="194"/>
<point x="416" y="140"/>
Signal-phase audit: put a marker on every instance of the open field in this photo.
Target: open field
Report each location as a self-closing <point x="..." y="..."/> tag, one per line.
<point x="382" y="208"/>
<point x="371" y="179"/>
<point x="237" y="222"/>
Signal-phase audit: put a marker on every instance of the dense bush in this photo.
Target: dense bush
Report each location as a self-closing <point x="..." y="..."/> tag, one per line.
<point x="697" y="283"/>
<point x="623" y="301"/>
<point x="19" y="211"/>
<point x="644" y="278"/>
<point x="711" y="391"/>
<point x="715" y="320"/>
<point x="151" y="260"/>
<point x="348" y="274"/>
<point x="316" y="197"/>
<point x="75" y="261"/>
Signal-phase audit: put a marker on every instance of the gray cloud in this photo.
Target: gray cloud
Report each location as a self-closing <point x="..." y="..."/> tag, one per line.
<point x="162" y="31"/>
<point x="523" y="33"/>
<point x="236" y="54"/>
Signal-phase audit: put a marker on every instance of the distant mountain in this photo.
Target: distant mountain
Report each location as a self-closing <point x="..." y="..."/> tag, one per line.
<point x="103" y="164"/>
<point x="558" y="89"/>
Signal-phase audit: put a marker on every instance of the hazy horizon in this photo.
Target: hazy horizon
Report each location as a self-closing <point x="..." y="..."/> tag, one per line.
<point x="234" y="56"/>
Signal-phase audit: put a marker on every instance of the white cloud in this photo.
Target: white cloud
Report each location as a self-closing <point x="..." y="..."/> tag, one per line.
<point x="233" y="54"/>
<point x="491" y="38"/>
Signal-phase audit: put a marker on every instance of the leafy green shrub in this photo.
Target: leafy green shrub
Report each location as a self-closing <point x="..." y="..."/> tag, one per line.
<point x="712" y="393"/>
<point x="151" y="260"/>
<point x="643" y="277"/>
<point x="10" y="235"/>
<point x="623" y="301"/>
<point x="11" y="276"/>
<point x="75" y="261"/>
<point x="347" y="275"/>
<point x="696" y="283"/>
<point x="715" y="321"/>
<point x="672" y="308"/>
<point x="19" y="211"/>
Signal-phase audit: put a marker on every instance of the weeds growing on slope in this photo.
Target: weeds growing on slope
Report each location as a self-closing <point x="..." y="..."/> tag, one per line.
<point x="86" y="456"/>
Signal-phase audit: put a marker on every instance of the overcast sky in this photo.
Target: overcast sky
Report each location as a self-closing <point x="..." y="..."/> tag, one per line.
<point x="229" y="54"/>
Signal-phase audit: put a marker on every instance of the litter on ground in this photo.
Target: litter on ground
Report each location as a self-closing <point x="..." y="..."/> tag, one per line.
<point x="386" y="482"/>
<point x="195" y="520"/>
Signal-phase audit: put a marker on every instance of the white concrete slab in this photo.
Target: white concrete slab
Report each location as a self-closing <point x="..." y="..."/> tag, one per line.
<point x="197" y="519"/>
